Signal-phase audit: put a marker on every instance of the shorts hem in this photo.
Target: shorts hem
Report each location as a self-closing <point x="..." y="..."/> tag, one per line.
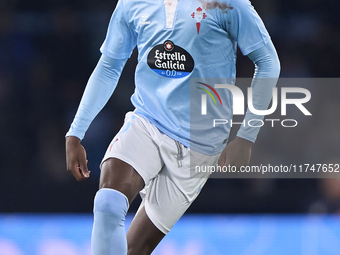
<point x="154" y="219"/>
<point x="128" y="161"/>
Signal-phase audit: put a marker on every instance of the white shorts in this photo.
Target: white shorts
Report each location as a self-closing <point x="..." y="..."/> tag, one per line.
<point x="164" y="165"/>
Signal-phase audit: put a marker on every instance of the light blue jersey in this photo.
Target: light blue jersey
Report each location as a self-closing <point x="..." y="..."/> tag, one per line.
<point x="200" y="42"/>
<point x="178" y="40"/>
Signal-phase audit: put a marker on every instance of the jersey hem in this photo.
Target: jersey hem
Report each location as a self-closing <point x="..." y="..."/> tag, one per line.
<point x="187" y="143"/>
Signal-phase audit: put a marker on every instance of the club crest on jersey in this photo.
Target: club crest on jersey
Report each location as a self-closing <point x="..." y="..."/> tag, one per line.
<point x="170" y="60"/>
<point x="198" y="15"/>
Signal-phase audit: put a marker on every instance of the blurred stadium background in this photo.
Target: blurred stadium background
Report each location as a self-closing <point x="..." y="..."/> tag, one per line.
<point x="49" y="48"/>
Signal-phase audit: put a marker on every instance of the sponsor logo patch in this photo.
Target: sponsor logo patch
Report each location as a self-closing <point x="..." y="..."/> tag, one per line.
<point x="170" y="60"/>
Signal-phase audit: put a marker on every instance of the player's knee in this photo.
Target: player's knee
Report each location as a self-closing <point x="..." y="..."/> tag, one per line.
<point x="111" y="202"/>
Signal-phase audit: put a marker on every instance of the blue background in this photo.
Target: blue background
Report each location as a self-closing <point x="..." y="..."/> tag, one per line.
<point x="69" y="234"/>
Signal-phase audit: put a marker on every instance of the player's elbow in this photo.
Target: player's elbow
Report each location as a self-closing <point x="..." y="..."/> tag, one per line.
<point x="271" y="66"/>
<point x="276" y="67"/>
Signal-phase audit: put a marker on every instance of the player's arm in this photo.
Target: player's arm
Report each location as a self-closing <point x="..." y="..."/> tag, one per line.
<point x="246" y="27"/>
<point x="117" y="48"/>
<point x="267" y="70"/>
<point x="98" y="90"/>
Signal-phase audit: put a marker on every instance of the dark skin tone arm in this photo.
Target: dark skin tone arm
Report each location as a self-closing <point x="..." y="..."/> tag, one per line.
<point x="76" y="161"/>
<point x="236" y="153"/>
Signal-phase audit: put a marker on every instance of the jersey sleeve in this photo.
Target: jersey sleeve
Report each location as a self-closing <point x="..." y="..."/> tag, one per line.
<point x="246" y="27"/>
<point x="98" y="91"/>
<point x="266" y="76"/>
<point x="120" y="37"/>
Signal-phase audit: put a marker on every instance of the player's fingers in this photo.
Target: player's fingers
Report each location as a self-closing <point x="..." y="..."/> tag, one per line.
<point x="84" y="171"/>
<point x="221" y="160"/>
<point x="231" y="161"/>
<point x="73" y="167"/>
<point x="87" y="173"/>
<point x="75" y="172"/>
<point x="81" y="172"/>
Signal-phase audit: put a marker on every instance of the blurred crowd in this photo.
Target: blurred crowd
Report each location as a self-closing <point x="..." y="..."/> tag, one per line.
<point x="48" y="50"/>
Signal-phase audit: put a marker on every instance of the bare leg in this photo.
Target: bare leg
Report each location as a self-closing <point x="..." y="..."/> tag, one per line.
<point x="118" y="175"/>
<point x="119" y="185"/>
<point x="142" y="236"/>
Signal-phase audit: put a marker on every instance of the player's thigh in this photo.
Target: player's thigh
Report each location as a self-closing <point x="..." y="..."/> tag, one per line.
<point x="119" y="175"/>
<point x="132" y="158"/>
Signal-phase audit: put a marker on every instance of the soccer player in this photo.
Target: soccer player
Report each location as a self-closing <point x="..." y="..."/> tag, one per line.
<point x="177" y="40"/>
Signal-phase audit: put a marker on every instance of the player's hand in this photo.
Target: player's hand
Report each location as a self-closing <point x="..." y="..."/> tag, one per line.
<point x="76" y="161"/>
<point x="237" y="153"/>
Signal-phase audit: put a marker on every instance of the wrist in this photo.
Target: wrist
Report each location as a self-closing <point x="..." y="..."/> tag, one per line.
<point x="243" y="141"/>
<point x="72" y="139"/>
